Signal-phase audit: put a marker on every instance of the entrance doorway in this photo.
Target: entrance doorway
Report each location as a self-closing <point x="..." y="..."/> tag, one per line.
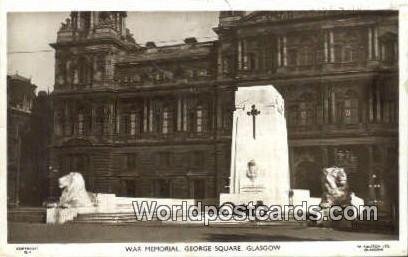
<point x="199" y="189"/>
<point x="308" y="176"/>
<point x="163" y="188"/>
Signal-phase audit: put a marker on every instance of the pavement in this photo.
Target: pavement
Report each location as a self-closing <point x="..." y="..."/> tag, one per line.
<point x="103" y="233"/>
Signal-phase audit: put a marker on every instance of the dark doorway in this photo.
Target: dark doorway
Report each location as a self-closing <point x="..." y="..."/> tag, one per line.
<point x="308" y="176"/>
<point x="163" y="188"/>
<point x="199" y="189"/>
<point x="130" y="188"/>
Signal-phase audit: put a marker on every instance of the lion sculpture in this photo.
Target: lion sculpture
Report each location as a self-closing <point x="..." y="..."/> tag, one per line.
<point x="74" y="193"/>
<point x="335" y="188"/>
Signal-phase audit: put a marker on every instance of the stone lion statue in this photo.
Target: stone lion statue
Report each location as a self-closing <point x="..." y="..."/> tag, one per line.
<point x="74" y="193"/>
<point x="335" y="188"/>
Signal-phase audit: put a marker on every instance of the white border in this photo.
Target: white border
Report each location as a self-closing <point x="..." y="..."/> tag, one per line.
<point x="287" y="248"/>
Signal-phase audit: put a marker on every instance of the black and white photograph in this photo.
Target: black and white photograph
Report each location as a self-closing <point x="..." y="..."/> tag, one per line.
<point x="209" y="132"/>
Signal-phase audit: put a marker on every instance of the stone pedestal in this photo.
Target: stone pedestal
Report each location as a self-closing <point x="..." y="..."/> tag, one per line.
<point x="259" y="156"/>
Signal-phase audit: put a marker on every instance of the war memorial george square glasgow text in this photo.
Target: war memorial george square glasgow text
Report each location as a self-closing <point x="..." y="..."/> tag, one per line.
<point x="285" y="120"/>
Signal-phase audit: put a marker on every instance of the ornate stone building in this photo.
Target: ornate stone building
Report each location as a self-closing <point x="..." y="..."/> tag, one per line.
<point x="27" y="142"/>
<point x="155" y="121"/>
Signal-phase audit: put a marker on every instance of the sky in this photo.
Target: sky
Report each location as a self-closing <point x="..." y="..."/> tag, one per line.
<point x="31" y="33"/>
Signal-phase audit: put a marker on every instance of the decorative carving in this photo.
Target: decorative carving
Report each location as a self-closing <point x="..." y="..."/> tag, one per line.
<point x="252" y="171"/>
<point x="268" y="16"/>
<point x="67" y="26"/>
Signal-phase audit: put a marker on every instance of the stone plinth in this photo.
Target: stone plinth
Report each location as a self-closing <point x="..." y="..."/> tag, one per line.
<point x="259" y="156"/>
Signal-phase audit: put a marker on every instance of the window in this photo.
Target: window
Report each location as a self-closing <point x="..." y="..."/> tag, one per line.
<point x="165" y="123"/>
<point x="348" y="46"/>
<point x="81" y="129"/>
<point x="305" y="57"/>
<point x="305" y="114"/>
<point x="199" y="125"/>
<point x="302" y="113"/>
<point x="125" y="124"/>
<point x="350" y="111"/>
<point x="389" y="48"/>
<point x="133" y="124"/>
<point x="85" y="71"/>
<point x="77" y="162"/>
<point x="349" y="108"/>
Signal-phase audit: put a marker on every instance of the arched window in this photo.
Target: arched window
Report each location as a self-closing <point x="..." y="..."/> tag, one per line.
<point x="349" y="108"/>
<point x="81" y="119"/>
<point x="306" y="110"/>
<point x="305" y="56"/>
<point x="347" y="46"/>
<point x="302" y="113"/>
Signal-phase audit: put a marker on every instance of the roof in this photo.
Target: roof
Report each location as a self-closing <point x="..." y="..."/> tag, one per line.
<point x="24" y="81"/>
<point x="171" y="52"/>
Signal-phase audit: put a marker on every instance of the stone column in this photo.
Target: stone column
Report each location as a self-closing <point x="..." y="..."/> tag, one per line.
<point x="376" y="47"/>
<point x="184" y="114"/>
<point x="220" y="65"/>
<point x="240" y="55"/>
<point x="371" y="189"/>
<point x="179" y="114"/>
<point x="370" y="102"/>
<point x="111" y="119"/>
<point x="150" y="115"/>
<point x="244" y="54"/>
<point x="326" y="47"/>
<point x="93" y="119"/>
<point x="145" y="115"/>
<point x="284" y="49"/>
<point x="279" y="50"/>
<point x="370" y="43"/>
<point x="219" y="114"/>
<point x="333" y="105"/>
<point x="326" y="96"/>
<point x="118" y="114"/>
<point x="325" y="155"/>
<point x="378" y="97"/>
<point x="331" y="45"/>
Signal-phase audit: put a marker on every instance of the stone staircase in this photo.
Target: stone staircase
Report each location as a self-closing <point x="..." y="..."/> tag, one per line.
<point x="128" y="217"/>
<point x="27" y="214"/>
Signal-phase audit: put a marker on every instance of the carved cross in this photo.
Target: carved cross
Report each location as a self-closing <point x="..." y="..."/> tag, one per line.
<point x="254" y="112"/>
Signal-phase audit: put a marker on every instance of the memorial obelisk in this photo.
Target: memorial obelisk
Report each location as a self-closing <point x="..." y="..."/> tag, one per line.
<point x="259" y="151"/>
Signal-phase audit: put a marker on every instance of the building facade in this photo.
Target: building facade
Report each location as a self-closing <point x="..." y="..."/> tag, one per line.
<point x="27" y="144"/>
<point x="156" y="121"/>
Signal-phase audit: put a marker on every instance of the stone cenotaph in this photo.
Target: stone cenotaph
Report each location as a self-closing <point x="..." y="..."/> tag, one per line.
<point x="259" y="151"/>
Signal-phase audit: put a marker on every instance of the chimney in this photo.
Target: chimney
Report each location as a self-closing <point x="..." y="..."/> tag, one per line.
<point x="190" y="40"/>
<point x="150" y="44"/>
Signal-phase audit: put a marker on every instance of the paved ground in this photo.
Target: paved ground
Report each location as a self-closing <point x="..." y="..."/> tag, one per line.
<point x="95" y="233"/>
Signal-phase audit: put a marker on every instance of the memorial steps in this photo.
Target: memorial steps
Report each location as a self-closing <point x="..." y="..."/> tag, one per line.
<point x="128" y="217"/>
<point x="27" y="214"/>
